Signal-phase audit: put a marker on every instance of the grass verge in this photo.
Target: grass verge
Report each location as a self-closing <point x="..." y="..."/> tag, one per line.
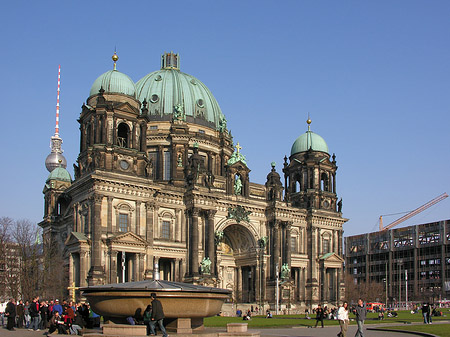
<point x="442" y="330"/>
<point x="404" y="317"/>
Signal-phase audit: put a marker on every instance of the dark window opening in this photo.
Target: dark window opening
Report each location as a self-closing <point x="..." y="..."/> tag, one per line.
<point x="123" y="135"/>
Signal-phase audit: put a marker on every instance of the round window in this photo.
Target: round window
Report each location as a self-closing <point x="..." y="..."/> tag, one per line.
<point x="200" y="103"/>
<point x="158" y="78"/>
<point x="124" y="165"/>
<point x="154" y="98"/>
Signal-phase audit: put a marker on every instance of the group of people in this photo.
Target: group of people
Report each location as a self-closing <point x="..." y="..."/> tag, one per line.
<point x="342" y="315"/>
<point x="65" y="317"/>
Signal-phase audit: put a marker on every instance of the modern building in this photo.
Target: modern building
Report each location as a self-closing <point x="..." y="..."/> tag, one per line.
<point x="414" y="260"/>
<point x="159" y="184"/>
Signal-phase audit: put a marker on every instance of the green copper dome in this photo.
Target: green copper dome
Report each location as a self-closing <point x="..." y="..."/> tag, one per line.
<point x="309" y="140"/>
<point x="60" y="174"/>
<point x="114" y="81"/>
<point x="171" y="92"/>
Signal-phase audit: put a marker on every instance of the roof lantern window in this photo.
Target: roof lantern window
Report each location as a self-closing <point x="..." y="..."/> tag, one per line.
<point x="170" y="61"/>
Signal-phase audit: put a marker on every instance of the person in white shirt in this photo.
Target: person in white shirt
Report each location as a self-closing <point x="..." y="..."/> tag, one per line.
<point x="343" y="319"/>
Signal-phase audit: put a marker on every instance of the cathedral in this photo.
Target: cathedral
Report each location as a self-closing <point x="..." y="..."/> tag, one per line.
<point x="160" y="188"/>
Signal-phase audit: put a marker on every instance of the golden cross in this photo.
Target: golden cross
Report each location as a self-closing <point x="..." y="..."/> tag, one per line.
<point x="238" y="147"/>
<point x="73" y="288"/>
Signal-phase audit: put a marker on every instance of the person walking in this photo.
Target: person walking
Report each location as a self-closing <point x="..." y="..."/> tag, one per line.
<point x="20" y="314"/>
<point x="157" y="316"/>
<point x="425" y="311"/>
<point x="343" y="319"/>
<point x="361" y="313"/>
<point x="10" y="313"/>
<point x="319" y="315"/>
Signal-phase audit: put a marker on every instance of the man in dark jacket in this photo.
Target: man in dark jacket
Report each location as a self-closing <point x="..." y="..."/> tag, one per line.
<point x="10" y="312"/>
<point x="20" y="314"/>
<point x="360" y="313"/>
<point x="35" y="311"/>
<point x="319" y="315"/>
<point x="157" y="316"/>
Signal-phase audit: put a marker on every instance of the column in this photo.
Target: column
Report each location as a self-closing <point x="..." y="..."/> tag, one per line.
<point x="113" y="266"/>
<point x="194" y="264"/>
<point x="239" y="283"/>
<point x="150" y="207"/>
<point x="96" y="270"/>
<point x="211" y="243"/>
<point x="276" y="247"/>
<point x="144" y="137"/>
<point x="138" y="217"/>
<point x="160" y="161"/>
<point x="177" y="277"/>
<point x="110" y="214"/>
<point x="83" y="268"/>
<point x="288" y="243"/>
<point x="178" y="226"/>
<point x="133" y="142"/>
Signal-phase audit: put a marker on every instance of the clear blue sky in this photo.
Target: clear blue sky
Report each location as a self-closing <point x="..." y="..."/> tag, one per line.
<point x="373" y="75"/>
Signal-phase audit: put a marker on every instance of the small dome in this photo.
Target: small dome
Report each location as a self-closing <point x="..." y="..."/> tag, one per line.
<point x="54" y="160"/>
<point x="309" y="140"/>
<point x="114" y="81"/>
<point x="61" y="174"/>
<point x="168" y="88"/>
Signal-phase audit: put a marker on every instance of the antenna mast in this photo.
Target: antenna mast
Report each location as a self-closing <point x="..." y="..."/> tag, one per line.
<point x="57" y="102"/>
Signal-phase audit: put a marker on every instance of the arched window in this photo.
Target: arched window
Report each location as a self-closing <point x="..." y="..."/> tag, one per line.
<point x="326" y="243"/>
<point x="166" y="225"/>
<point x="123" y="133"/>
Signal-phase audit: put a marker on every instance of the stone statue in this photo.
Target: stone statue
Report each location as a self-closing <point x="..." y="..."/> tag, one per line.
<point x="205" y="266"/>
<point x="178" y="113"/>
<point x="222" y="124"/>
<point x="149" y="169"/>
<point x="180" y="160"/>
<point x="262" y="243"/>
<point x="285" y="271"/>
<point x="218" y="237"/>
<point x="238" y="186"/>
<point x="339" y="204"/>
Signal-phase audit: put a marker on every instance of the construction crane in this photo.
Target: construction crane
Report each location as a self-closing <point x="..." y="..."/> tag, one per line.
<point x="412" y="213"/>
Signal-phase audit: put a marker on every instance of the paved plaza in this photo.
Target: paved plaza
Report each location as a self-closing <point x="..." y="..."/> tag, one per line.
<point x="287" y="332"/>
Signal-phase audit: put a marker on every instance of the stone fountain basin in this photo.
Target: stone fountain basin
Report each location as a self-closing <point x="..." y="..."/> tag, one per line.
<point x="179" y="300"/>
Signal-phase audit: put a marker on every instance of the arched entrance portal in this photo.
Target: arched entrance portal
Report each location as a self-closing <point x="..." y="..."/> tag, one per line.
<point x="237" y="263"/>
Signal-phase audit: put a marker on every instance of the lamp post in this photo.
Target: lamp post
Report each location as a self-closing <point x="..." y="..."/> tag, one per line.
<point x="406" y="289"/>
<point x="276" y="289"/>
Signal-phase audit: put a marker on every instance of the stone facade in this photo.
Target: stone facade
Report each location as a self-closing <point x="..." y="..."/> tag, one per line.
<point x="175" y="192"/>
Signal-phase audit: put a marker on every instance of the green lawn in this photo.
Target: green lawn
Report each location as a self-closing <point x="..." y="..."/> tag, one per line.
<point x="441" y="330"/>
<point x="403" y="318"/>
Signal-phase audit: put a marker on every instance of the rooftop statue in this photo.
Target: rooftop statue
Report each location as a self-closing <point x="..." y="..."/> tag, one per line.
<point x="237" y="156"/>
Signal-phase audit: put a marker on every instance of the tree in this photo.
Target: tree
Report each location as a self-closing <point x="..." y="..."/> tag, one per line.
<point x="369" y="291"/>
<point x="5" y="227"/>
<point x="25" y="235"/>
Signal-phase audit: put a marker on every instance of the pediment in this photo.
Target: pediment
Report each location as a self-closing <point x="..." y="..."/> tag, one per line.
<point x="127" y="238"/>
<point x="76" y="238"/>
<point x="126" y="107"/>
<point x="239" y="166"/>
<point x="331" y="258"/>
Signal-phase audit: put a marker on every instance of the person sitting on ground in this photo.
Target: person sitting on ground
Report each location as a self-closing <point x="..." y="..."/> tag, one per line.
<point x="77" y="325"/>
<point x="269" y="314"/>
<point x="57" y="324"/>
<point x="148" y="318"/>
